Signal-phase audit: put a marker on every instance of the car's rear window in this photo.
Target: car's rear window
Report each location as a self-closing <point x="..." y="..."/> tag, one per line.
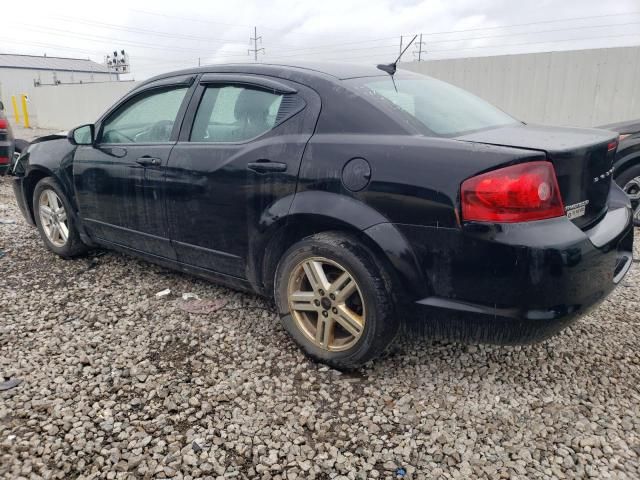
<point x="443" y="109"/>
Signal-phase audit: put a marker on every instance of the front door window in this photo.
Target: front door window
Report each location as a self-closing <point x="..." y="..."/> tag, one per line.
<point x="146" y="119"/>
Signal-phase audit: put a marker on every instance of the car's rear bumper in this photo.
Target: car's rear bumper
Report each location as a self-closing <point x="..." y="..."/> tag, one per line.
<point x="518" y="283"/>
<point x="6" y="151"/>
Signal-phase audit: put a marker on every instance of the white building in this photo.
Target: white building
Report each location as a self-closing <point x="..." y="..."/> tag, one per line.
<point x="21" y="74"/>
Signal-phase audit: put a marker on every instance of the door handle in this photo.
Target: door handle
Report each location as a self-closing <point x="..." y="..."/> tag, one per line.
<point x="148" y="161"/>
<point x="267" y="166"/>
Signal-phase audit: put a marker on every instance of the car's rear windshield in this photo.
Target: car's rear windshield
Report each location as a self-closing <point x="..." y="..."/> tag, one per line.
<point x="443" y="109"/>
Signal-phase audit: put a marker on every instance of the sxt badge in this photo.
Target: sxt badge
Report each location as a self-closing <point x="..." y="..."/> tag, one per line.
<point x="576" y="210"/>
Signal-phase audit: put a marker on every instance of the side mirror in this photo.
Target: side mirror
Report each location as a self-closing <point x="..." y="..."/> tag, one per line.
<point x="1" y="105"/>
<point x="82" y="135"/>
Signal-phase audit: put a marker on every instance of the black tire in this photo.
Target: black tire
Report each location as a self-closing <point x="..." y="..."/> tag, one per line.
<point x="73" y="245"/>
<point x="381" y="326"/>
<point x="622" y="180"/>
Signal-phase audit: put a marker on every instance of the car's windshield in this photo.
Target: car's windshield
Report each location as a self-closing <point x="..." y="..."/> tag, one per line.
<point x="443" y="109"/>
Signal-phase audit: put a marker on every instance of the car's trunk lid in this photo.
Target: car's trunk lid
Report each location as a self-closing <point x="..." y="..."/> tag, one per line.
<point x="582" y="158"/>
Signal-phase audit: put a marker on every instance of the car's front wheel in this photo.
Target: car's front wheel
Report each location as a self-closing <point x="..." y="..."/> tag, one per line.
<point x="335" y="300"/>
<point x="55" y="223"/>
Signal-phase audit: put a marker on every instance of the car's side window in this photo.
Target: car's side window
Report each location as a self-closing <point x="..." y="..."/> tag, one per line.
<point x="234" y="114"/>
<point x="147" y="119"/>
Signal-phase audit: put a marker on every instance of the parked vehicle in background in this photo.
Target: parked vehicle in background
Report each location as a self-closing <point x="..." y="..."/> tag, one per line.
<point x="6" y="141"/>
<point x="627" y="164"/>
<point x="362" y="201"/>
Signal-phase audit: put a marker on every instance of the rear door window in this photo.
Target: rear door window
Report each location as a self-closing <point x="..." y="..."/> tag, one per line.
<point x="230" y="113"/>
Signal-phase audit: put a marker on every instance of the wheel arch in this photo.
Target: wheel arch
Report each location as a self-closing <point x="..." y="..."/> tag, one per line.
<point x="628" y="160"/>
<point x="35" y="174"/>
<point x="382" y="238"/>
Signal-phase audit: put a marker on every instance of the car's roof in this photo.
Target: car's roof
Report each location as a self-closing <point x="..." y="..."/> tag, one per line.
<point x="339" y="71"/>
<point x="335" y="69"/>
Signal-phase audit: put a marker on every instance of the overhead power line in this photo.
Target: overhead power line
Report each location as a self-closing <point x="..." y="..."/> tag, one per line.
<point x="310" y="50"/>
<point x="105" y="39"/>
<point x="560" y="20"/>
<point x="432" y="42"/>
<point x="212" y="22"/>
<point x="539" y="43"/>
<point x="514" y="34"/>
<point x="206" y="46"/>
<point x="505" y="45"/>
<point x="189" y="19"/>
<point x="46" y="45"/>
<point x="137" y="30"/>
<point x="302" y="50"/>
<point x="156" y="33"/>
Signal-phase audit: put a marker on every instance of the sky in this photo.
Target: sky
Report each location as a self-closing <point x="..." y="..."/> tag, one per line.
<point x="163" y="36"/>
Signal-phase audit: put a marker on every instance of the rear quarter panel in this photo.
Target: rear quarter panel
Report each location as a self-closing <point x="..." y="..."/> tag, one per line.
<point x="414" y="180"/>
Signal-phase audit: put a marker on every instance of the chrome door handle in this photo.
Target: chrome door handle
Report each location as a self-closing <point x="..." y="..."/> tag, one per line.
<point x="148" y="161"/>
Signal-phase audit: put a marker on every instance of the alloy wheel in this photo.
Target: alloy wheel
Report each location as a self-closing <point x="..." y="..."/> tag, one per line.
<point x="53" y="217"/>
<point x="326" y="303"/>
<point x="632" y="188"/>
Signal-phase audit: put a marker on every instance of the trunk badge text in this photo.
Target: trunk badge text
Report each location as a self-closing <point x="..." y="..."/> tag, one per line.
<point x="603" y="176"/>
<point x="576" y="210"/>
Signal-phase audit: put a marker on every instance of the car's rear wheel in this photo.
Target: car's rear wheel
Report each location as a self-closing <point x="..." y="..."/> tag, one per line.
<point x="54" y="220"/>
<point x="335" y="300"/>
<point x="629" y="181"/>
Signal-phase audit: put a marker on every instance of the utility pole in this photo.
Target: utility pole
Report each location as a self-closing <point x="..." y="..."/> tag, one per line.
<point x="255" y="48"/>
<point x="400" y="44"/>
<point x="419" y="51"/>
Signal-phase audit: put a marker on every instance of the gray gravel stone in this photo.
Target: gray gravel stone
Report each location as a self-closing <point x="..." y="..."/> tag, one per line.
<point x="118" y="383"/>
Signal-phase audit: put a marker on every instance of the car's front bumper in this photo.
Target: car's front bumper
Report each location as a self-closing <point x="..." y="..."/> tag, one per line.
<point x="518" y="283"/>
<point x="21" y="200"/>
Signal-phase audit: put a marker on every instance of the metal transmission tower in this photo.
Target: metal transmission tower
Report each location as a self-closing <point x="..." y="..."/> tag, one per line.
<point x="255" y="48"/>
<point x="419" y="50"/>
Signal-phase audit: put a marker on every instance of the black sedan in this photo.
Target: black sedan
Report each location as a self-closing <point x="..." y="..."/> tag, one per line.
<point x="364" y="202"/>
<point x="627" y="163"/>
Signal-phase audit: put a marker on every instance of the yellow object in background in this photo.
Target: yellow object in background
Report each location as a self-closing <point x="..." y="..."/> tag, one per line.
<point x="15" y="109"/>
<point x="25" y="111"/>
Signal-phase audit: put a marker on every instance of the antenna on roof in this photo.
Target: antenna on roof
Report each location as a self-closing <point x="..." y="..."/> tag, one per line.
<point x="392" y="67"/>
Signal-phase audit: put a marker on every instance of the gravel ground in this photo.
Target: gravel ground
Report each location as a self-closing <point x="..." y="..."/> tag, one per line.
<point x="117" y="383"/>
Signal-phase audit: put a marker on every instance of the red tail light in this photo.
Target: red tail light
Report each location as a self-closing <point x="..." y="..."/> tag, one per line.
<point x="3" y="124"/>
<point x="520" y="193"/>
<point x="612" y="146"/>
<point x="4" y="160"/>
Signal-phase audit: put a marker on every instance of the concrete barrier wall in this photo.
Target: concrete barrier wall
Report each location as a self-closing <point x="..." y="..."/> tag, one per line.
<point x="66" y="106"/>
<point x="18" y="81"/>
<point x="578" y="88"/>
